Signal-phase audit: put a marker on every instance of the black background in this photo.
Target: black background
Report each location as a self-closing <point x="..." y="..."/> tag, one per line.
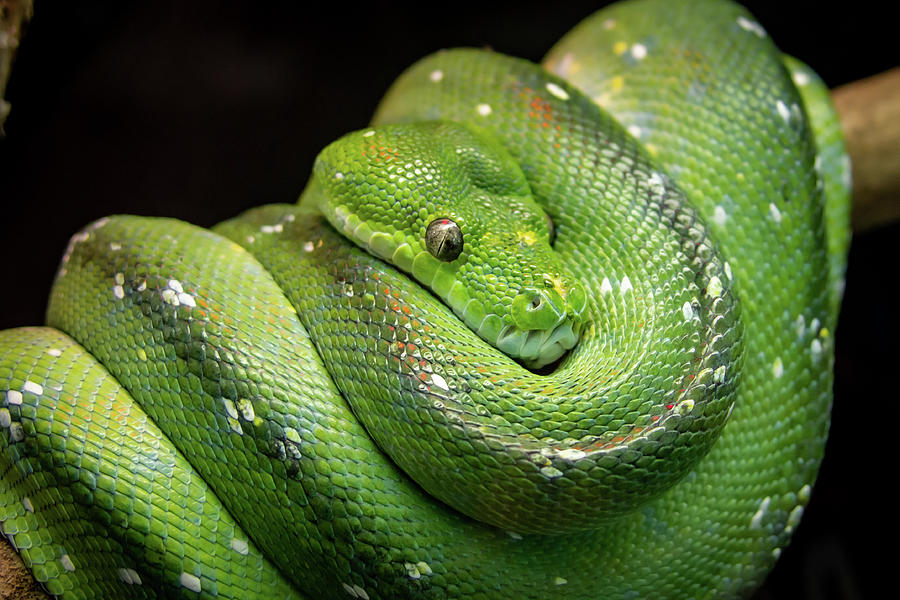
<point x="199" y="110"/>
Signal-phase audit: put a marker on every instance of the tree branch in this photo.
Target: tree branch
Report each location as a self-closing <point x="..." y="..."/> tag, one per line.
<point x="869" y="110"/>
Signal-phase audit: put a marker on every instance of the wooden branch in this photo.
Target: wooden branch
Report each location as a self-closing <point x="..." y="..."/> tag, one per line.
<point x="13" y="16"/>
<point x="869" y="110"/>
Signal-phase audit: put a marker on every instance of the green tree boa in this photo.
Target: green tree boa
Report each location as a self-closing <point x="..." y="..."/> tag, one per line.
<point x="669" y="454"/>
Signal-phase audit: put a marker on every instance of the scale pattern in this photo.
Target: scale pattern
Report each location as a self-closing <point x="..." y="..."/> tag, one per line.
<point x="315" y="393"/>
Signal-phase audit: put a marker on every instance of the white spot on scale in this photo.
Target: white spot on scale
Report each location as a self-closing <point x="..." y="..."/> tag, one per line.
<point x="129" y="576"/>
<point x="714" y="287"/>
<point x="847" y="177"/>
<point x="246" y="407"/>
<point x="605" y="286"/>
<point x="118" y="291"/>
<point x="728" y="274"/>
<point x="719" y="377"/>
<point x="800" y="78"/>
<point x="778" y="368"/>
<point x="119" y="278"/>
<point x="816" y="348"/>
<point x="16" y="432"/>
<point x="191" y="582"/>
<point x="240" y="546"/>
<point x="308" y="247"/>
<point x="369" y="133"/>
<point x="551" y="472"/>
<point x="752" y="26"/>
<point x="814" y="326"/>
<point x="720" y="216"/>
<point x="756" y="519"/>
<point x="33" y="387"/>
<point x="774" y="213"/>
<point x="67" y="563"/>
<point x="483" y="109"/>
<point x="186" y="299"/>
<point x="5" y="419"/>
<point x="571" y="454"/>
<point x="436" y="75"/>
<point x="783" y="110"/>
<point x="26" y="502"/>
<point x="13" y="397"/>
<point x="688" y="311"/>
<point x="656" y="180"/>
<point x="793" y="519"/>
<point x="635" y="131"/>
<point x="230" y="408"/>
<point x="609" y="24"/>
<point x="439" y="381"/>
<point x="360" y="593"/>
<point x="625" y="286"/>
<point x="170" y="297"/>
<point x="277" y="228"/>
<point x="174" y="284"/>
<point x="338" y="175"/>
<point x="684" y="407"/>
<point x="557" y="91"/>
<point x="800" y="325"/>
<point x="560" y="580"/>
<point x="114" y="246"/>
<point x="639" y="51"/>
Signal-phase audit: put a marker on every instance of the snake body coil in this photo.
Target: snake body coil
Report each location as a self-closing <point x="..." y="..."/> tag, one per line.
<point x="309" y="400"/>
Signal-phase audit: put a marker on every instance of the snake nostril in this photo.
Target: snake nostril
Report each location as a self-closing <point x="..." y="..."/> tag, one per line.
<point x="536" y="303"/>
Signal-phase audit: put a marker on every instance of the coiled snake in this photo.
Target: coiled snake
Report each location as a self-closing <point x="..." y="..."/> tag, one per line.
<point x="599" y="367"/>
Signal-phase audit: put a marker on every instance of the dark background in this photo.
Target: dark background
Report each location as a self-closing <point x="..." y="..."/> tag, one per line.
<point x="199" y="110"/>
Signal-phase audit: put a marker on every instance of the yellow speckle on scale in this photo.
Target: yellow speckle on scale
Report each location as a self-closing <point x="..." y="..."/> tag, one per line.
<point x="620" y="47"/>
<point x="714" y="287"/>
<point x="526" y="237"/>
<point x="777" y="368"/>
<point x="617" y="83"/>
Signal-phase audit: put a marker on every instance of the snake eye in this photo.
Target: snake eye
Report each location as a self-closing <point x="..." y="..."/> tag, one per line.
<point x="551" y="228"/>
<point x="444" y="240"/>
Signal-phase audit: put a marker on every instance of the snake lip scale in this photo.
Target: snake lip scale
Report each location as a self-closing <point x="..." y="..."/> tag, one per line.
<point x="558" y="331"/>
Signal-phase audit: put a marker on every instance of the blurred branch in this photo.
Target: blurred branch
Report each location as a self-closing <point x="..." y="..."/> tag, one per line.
<point x="870" y="116"/>
<point x="13" y="16"/>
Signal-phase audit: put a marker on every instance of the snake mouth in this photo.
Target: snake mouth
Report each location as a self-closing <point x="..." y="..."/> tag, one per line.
<point x="536" y="348"/>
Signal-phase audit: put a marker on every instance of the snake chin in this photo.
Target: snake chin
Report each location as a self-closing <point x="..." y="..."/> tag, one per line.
<point x="536" y="348"/>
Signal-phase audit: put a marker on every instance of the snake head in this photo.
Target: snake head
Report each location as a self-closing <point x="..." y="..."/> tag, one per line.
<point x="452" y="208"/>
